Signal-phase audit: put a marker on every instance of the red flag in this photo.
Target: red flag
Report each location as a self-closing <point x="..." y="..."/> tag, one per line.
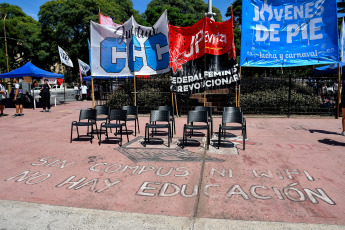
<point x="204" y="37"/>
<point x="106" y="20"/>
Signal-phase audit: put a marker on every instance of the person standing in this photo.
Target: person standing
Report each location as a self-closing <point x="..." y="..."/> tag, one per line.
<point x="342" y="106"/>
<point x="76" y="91"/>
<point x="45" y="94"/>
<point x="18" y="98"/>
<point x="3" y="98"/>
<point x="83" y="89"/>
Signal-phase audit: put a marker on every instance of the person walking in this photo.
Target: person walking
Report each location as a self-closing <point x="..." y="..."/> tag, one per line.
<point x="45" y="94"/>
<point x="83" y="89"/>
<point x="3" y="98"/>
<point x="342" y="106"/>
<point x="18" y="98"/>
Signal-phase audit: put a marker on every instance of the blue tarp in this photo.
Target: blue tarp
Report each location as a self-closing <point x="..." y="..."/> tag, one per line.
<point x="328" y="69"/>
<point x="30" y="70"/>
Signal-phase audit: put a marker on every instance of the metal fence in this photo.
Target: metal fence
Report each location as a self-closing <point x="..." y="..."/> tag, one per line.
<point x="259" y="95"/>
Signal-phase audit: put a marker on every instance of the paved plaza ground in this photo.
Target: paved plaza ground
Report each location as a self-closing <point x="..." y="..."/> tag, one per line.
<point x="290" y="176"/>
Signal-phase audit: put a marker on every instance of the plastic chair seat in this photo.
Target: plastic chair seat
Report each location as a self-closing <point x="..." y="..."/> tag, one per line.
<point x="157" y="126"/>
<point x="227" y="127"/>
<point x="197" y="127"/>
<point x="83" y="123"/>
<point x="113" y="125"/>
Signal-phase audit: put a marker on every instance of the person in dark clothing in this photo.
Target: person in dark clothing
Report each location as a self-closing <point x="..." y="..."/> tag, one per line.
<point x="45" y="94"/>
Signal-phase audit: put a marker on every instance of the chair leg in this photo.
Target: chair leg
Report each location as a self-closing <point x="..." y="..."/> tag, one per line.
<point x="71" y="133"/>
<point x="169" y="136"/>
<point x="135" y="127"/>
<point x="219" y="134"/>
<point x="208" y="139"/>
<point x="96" y="128"/>
<point x="121" y="135"/>
<point x="244" y="142"/>
<point x="77" y="131"/>
<point x="91" y="136"/>
<point x="100" y="135"/>
<point x="126" y="132"/>
<point x="174" y="126"/>
<point x="138" y="125"/>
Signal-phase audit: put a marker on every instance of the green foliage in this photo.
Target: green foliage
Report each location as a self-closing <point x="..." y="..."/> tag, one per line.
<point x="23" y="38"/>
<point x="180" y="12"/>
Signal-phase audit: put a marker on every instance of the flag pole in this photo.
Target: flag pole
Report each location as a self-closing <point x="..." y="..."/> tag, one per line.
<point x="176" y="105"/>
<point x="135" y="90"/>
<point x="239" y="89"/>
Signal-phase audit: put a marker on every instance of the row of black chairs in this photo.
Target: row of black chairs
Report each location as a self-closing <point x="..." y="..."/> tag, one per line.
<point x="198" y="119"/>
<point x="89" y="117"/>
<point x="165" y="114"/>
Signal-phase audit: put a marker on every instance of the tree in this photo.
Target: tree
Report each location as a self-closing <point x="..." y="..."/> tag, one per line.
<point x="66" y="23"/>
<point x="23" y="38"/>
<point x="180" y="12"/>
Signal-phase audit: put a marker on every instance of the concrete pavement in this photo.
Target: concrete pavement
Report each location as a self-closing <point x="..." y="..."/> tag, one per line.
<point x="291" y="176"/>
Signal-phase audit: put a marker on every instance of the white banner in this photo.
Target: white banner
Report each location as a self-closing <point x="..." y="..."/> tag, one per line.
<point x="130" y="49"/>
<point x="83" y="67"/>
<point x="64" y="57"/>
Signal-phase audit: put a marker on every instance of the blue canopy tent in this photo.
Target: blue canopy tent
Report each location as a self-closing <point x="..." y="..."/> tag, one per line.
<point x="30" y="70"/>
<point x="328" y="69"/>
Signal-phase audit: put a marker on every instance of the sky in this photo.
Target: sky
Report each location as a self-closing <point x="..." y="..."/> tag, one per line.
<point x="32" y="7"/>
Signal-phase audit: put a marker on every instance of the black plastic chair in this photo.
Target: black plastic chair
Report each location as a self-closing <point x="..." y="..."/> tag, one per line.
<point x="102" y="112"/>
<point x="118" y="115"/>
<point x="200" y="117"/>
<point x="133" y="111"/>
<point x="158" y="116"/>
<point x="233" y="118"/>
<point x="172" y="115"/>
<point x="209" y="110"/>
<point x="90" y="116"/>
<point x="232" y="109"/>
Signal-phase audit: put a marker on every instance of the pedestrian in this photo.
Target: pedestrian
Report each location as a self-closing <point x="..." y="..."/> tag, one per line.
<point x="18" y="98"/>
<point x="342" y="106"/>
<point x="3" y="97"/>
<point x="83" y="89"/>
<point x="45" y="94"/>
<point x="76" y="91"/>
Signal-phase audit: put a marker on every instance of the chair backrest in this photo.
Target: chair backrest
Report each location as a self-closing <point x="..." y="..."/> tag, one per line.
<point x="159" y="115"/>
<point x="117" y="115"/>
<point x="131" y="109"/>
<point x="232" y="109"/>
<point x="197" y="116"/>
<point x="167" y="108"/>
<point x="102" y="109"/>
<point x="202" y="108"/>
<point x="232" y="117"/>
<point x="89" y="114"/>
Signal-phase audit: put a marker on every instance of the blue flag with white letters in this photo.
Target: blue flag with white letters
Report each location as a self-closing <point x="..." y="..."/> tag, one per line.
<point x="286" y="33"/>
<point x="130" y="49"/>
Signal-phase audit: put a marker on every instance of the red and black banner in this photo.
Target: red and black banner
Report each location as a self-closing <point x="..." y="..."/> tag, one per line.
<point x="202" y="56"/>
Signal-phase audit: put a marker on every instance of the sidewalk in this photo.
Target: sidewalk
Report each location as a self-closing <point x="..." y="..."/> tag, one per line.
<point x="291" y="176"/>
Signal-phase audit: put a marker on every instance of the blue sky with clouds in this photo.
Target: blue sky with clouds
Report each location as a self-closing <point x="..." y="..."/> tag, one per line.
<point x="31" y="7"/>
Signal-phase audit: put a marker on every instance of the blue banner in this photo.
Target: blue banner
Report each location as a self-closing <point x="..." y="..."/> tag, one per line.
<point x="286" y="33"/>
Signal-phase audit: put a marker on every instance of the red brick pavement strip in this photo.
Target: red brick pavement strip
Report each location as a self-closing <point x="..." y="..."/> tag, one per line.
<point x="302" y="158"/>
